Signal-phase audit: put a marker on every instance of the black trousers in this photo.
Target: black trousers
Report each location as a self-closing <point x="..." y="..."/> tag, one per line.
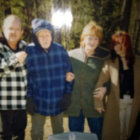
<point x="13" y="124"/>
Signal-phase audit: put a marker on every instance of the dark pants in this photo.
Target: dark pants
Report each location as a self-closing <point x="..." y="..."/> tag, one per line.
<point x="13" y="124"/>
<point x="95" y="124"/>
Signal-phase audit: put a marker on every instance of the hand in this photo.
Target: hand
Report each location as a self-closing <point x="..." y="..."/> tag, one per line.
<point x="21" y="56"/>
<point x="31" y="106"/>
<point x="100" y="92"/>
<point x="100" y="110"/>
<point x="98" y="105"/>
<point x="70" y="76"/>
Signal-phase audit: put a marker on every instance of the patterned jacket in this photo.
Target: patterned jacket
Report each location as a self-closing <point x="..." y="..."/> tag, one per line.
<point x="13" y="79"/>
<point x="46" y="77"/>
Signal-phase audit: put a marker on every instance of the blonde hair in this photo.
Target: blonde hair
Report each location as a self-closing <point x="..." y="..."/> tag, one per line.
<point x="11" y="18"/>
<point x="93" y="29"/>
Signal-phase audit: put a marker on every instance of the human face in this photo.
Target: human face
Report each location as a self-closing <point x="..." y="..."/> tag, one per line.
<point x="91" y="43"/>
<point x="44" y="38"/>
<point x="13" y="31"/>
<point x="119" y="50"/>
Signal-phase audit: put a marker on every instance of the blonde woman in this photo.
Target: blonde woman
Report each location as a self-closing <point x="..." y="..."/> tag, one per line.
<point x="87" y="62"/>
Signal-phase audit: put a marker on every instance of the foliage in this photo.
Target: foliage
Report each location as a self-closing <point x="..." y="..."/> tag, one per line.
<point x="26" y="10"/>
<point x="109" y="18"/>
<point x="109" y="14"/>
<point x="82" y="12"/>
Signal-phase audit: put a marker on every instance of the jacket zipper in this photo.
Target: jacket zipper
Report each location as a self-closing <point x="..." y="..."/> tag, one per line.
<point x="82" y="81"/>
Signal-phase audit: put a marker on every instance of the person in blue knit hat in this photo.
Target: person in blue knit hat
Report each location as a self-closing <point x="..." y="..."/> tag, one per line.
<point x="48" y="91"/>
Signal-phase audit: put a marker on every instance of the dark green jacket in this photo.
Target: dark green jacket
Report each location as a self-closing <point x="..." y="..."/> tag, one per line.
<point x="87" y="71"/>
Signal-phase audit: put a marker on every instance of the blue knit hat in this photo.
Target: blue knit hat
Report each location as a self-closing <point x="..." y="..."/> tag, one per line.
<point x="40" y="24"/>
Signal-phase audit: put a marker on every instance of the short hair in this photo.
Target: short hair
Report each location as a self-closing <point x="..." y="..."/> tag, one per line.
<point x="11" y="18"/>
<point x="93" y="29"/>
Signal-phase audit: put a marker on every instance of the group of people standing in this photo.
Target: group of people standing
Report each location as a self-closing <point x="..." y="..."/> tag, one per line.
<point x="87" y="82"/>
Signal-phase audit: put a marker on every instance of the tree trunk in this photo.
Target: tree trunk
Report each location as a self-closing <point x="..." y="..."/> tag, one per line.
<point x="7" y="11"/>
<point x="126" y="15"/>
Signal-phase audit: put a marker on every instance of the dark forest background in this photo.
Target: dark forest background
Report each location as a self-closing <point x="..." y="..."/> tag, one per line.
<point x="112" y="15"/>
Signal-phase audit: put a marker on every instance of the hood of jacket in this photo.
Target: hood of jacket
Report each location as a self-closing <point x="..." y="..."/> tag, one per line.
<point x="41" y="24"/>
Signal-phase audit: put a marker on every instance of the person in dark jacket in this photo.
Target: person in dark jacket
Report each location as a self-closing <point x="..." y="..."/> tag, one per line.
<point x="87" y="62"/>
<point x="48" y="92"/>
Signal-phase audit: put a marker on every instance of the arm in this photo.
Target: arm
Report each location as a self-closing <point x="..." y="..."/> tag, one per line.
<point x="68" y="84"/>
<point x="29" y="74"/>
<point x="9" y="62"/>
<point x="29" y="86"/>
<point x="104" y="75"/>
<point x="100" y="89"/>
<point x="69" y="75"/>
<point x="31" y="105"/>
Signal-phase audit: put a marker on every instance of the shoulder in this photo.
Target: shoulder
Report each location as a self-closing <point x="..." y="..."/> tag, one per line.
<point x="22" y="44"/>
<point x="2" y="42"/>
<point x="112" y="63"/>
<point x="58" y="48"/>
<point x="1" y="45"/>
<point x="56" y="45"/>
<point x="30" y="47"/>
<point x="74" y="52"/>
<point x="102" y="52"/>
